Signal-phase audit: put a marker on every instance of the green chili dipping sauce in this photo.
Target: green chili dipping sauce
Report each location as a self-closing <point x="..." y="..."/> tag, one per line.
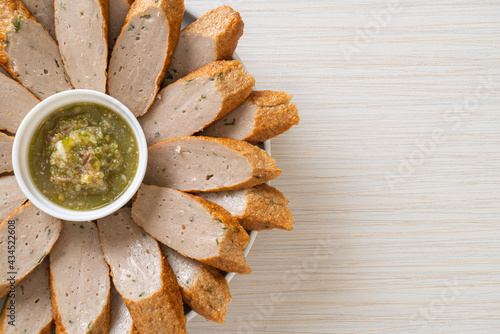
<point x="83" y="157"/>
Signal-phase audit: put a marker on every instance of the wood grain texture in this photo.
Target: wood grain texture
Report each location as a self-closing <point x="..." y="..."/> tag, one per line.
<point x="393" y="174"/>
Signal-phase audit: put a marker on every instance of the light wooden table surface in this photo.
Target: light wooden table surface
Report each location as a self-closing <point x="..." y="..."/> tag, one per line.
<point x="393" y="174"/>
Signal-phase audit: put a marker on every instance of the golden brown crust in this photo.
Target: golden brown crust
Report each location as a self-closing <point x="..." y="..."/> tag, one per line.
<point x="55" y="314"/>
<point x="104" y="4"/>
<point x="10" y="11"/>
<point x="241" y="237"/>
<point x="275" y="115"/>
<point x="102" y="323"/>
<point x="165" y="305"/>
<point x="234" y="84"/>
<point x="224" y="25"/>
<point x="266" y="209"/>
<point x="264" y="167"/>
<point x="229" y="258"/>
<point x="269" y="98"/>
<point x="174" y="11"/>
<point x="48" y="329"/>
<point x="209" y="295"/>
<point x="231" y="80"/>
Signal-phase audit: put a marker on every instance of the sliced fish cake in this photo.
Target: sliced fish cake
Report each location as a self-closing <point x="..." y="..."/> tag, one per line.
<point x="121" y="322"/>
<point x="259" y="208"/>
<point x="143" y="52"/>
<point x="264" y="115"/>
<point x="199" y="99"/>
<point x="79" y="281"/>
<point x="200" y="164"/>
<point x="11" y="196"/>
<point x="214" y="36"/>
<point x="40" y="70"/>
<point x="6" y="143"/>
<point x="204" y="289"/>
<point x="82" y="33"/>
<point x="43" y="11"/>
<point x="16" y="103"/>
<point x="118" y="10"/>
<point x="141" y="275"/>
<point x="35" y="234"/>
<point x="192" y="226"/>
<point x="33" y="313"/>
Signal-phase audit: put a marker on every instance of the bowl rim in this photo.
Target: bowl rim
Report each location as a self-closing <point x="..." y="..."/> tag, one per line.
<point x="37" y="116"/>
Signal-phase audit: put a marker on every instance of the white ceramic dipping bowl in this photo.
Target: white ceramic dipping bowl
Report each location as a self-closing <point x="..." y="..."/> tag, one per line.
<point x="32" y="122"/>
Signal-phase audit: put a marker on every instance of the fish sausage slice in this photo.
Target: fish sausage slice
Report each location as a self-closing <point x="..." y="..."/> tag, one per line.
<point x="16" y="103"/>
<point x="79" y="281"/>
<point x="214" y="36"/>
<point x="143" y="52"/>
<point x="40" y="70"/>
<point x="259" y="208"/>
<point x="118" y="10"/>
<point x="199" y="99"/>
<point x="141" y="275"/>
<point x="35" y="233"/>
<point x="33" y="313"/>
<point x="264" y="115"/>
<point x="199" y="164"/>
<point x="11" y="196"/>
<point x="82" y="33"/>
<point x="43" y="11"/>
<point x="192" y="226"/>
<point x="204" y="288"/>
<point x="121" y="322"/>
<point x="6" y="143"/>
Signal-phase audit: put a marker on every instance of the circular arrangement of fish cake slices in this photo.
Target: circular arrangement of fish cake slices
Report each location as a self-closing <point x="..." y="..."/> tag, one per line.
<point x="228" y="172"/>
